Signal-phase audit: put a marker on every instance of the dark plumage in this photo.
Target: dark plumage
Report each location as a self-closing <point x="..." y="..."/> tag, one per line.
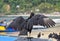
<point x="20" y="23"/>
<point x="27" y="24"/>
<point x="16" y="24"/>
<point x="40" y="20"/>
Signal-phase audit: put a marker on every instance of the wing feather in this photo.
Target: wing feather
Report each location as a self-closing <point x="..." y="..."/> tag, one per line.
<point x="48" y="22"/>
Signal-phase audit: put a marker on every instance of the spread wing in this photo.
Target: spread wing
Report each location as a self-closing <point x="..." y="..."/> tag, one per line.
<point x="49" y="22"/>
<point x="41" y="20"/>
<point x="16" y="24"/>
<point x="27" y="24"/>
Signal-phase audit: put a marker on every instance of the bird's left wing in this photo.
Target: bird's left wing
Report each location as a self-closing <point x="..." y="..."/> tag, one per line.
<point x="49" y="22"/>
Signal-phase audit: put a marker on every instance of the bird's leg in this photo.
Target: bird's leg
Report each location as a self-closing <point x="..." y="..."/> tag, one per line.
<point x="29" y="38"/>
<point x="29" y="34"/>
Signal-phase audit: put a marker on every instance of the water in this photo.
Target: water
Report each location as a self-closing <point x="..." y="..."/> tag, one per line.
<point x="7" y="38"/>
<point x="8" y="18"/>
